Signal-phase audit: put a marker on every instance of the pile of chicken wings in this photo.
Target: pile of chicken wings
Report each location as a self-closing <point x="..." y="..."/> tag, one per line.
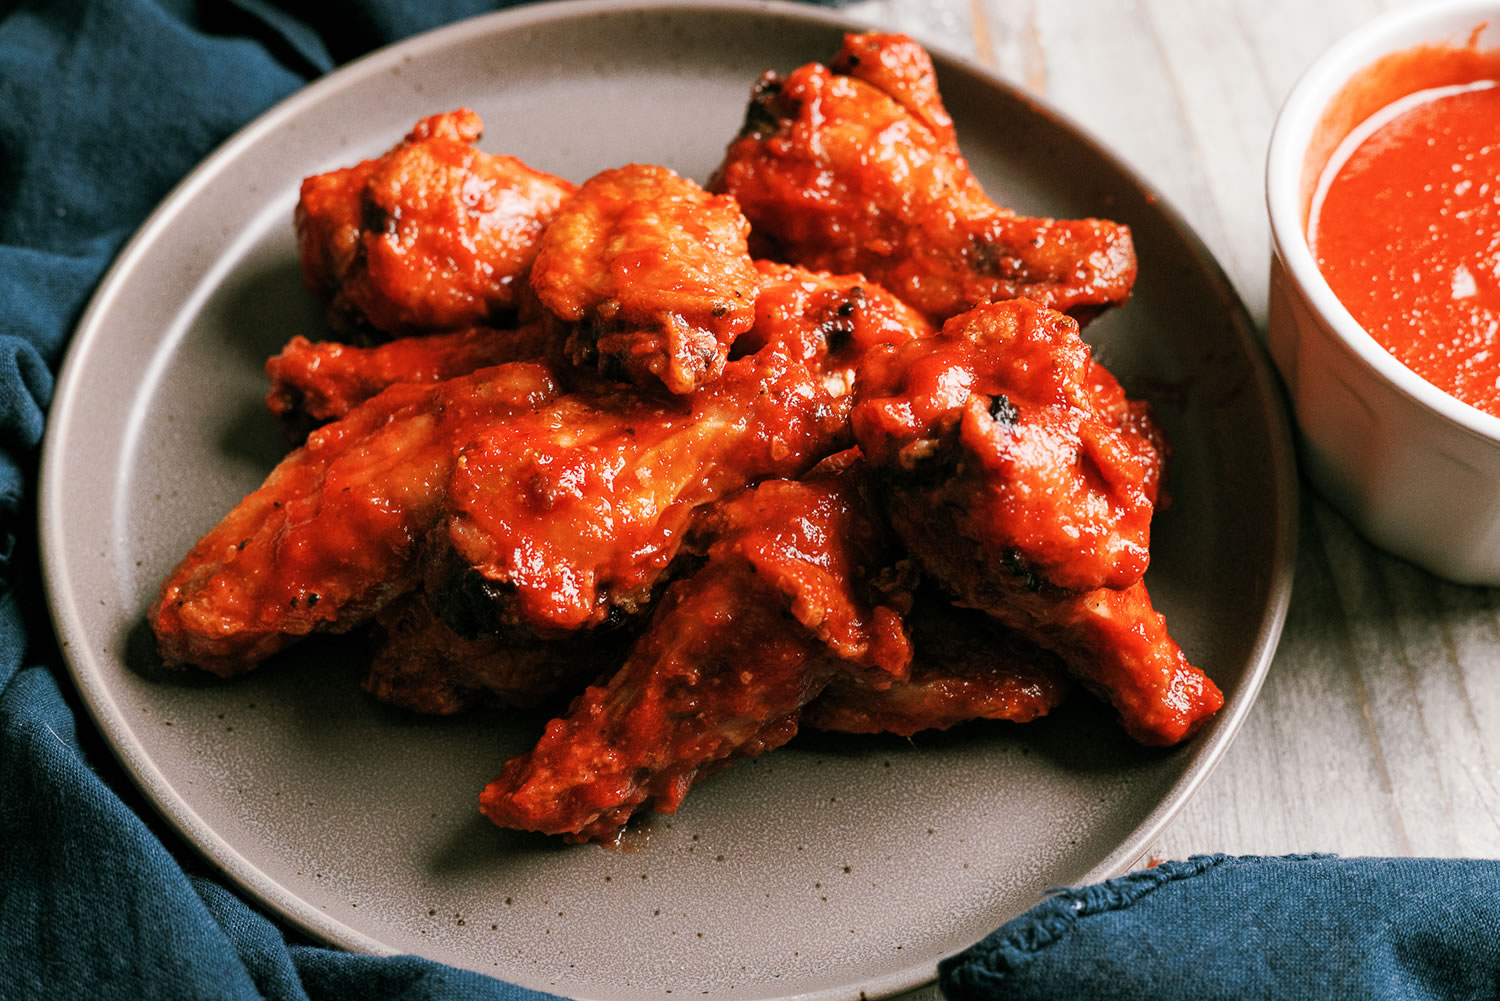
<point x="819" y="445"/>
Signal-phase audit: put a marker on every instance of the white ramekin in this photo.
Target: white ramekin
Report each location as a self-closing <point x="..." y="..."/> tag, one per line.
<point x="1415" y="470"/>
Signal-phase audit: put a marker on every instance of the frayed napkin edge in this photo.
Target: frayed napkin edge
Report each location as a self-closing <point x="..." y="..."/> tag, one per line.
<point x="981" y="968"/>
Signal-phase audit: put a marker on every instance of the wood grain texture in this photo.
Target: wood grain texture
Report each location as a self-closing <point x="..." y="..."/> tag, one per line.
<point x="1378" y="730"/>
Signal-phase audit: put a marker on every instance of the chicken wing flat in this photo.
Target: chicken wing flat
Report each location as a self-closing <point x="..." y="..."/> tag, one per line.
<point x="321" y="381"/>
<point x="335" y="532"/>
<point x="653" y="273"/>
<point x="434" y="235"/>
<point x="567" y="518"/>
<point x="729" y="659"/>
<point x="422" y="665"/>
<point x="853" y="167"/>
<point x="963" y="667"/>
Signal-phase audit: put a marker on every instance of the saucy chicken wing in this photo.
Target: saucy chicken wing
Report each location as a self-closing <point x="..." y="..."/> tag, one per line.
<point x="336" y="531"/>
<point x="1023" y="481"/>
<point x="732" y="654"/>
<point x="853" y="167"/>
<point x="567" y="517"/>
<point x="653" y="274"/>
<point x="432" y="236"/>
<point x="1004" y="421"/>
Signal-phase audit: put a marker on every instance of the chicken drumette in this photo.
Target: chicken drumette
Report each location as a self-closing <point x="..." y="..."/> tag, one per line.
<point x="1023" y="481"/>
<point x="432" y="236"/>
<point x="853" y="167"/>
<point x="1004" y="420"/>
<point x="652" y="274"/>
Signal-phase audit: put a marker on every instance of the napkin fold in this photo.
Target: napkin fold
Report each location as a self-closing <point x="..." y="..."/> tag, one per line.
<point x="103" y="107"/>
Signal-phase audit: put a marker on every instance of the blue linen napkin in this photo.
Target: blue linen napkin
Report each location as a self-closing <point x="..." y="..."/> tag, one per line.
<point x="103" y="107"/>
<point x="1221" y="928"/>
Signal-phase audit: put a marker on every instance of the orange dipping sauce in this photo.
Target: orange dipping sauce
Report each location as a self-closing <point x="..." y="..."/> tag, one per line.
<point x="1406" y="230"/>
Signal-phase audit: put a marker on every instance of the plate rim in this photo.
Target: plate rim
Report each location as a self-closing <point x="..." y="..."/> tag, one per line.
<point x="66" y="408"/>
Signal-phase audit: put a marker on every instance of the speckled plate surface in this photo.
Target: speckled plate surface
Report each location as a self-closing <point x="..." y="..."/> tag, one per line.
<point x="830" y="868"/>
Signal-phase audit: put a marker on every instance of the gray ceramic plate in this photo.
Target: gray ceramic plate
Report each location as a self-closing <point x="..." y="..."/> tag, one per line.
<point x="826" y="869"/>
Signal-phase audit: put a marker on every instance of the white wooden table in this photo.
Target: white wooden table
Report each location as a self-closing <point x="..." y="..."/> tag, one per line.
<point x="1378" y="730"/>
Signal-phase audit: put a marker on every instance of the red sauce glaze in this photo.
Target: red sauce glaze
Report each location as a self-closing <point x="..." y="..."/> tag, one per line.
<point x="1408" y="237"/>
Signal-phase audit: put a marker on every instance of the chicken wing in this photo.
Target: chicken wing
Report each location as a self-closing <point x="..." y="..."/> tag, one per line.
<point x="432" y="236"/>
<point x="335" y="532"/>
<point x="730" y="657"/>
<point x="1005" y="421"/>
<point x="1022" y="480"/>
<point x="654" y="275"/>
<point x="854" y="167"/>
